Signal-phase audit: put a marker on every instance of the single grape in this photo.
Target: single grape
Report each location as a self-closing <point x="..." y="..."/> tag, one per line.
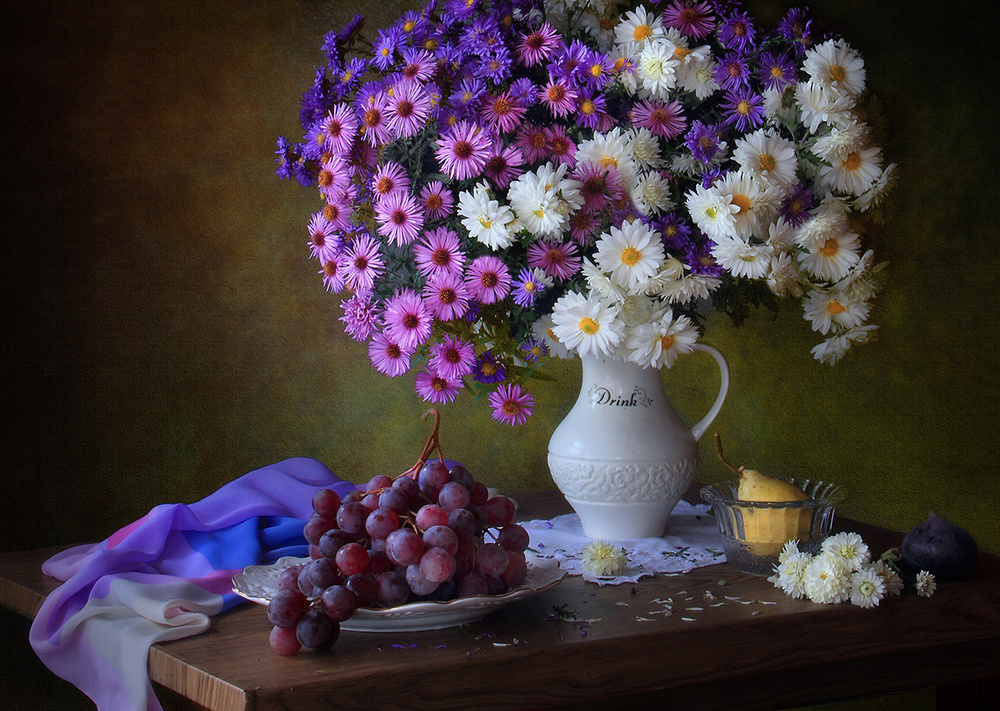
<point x="517" y="569"/>
<point x="325" y="502"/>
<point x="472" y="584"/>
<point x="404" y="546"/>
<point x="332" y="541"/>
<point x="513" y="537"/>
<point x="480" y="494"/>
<point x="363" y="587"/>
<point x="352" y="559"/>
<point x="378" y="562"/>
<point x="498" y="511"/>
<point x="463" y="522"/>
<point x="431" y="515"/>
<point x="445" y="591"/>
<point x="315" y="527"/>
<point x="351" y="517"/>
<point x="286" y="607"/>
<point x="288" y="579"/>
<point x="338" y="603"/>
<point x="317" y="631"/>
<point x="314" y="552"/>
<point x="370" y="501"/>
<point x="432" y="477"/>
<point x="410" y="487"/>
<point x="323" y="573"/>
<point x="441" y="537"/>
<point x="491" y="560"/>
<point x="453" y="496"/>
<point x="379" y="481"/>
<point x="461" y="475"/>
<point x="391" y="589"/>
<point x="381" y="522"/>
<point x="394" y="499"/>
<point x="285" y="641"/>
<point x="437" y="565"/>
<point x="305" y="584"/>
<point x="418" y="582"/>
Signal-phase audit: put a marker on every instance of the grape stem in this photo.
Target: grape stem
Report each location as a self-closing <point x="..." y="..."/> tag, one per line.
<point x="433" y="442"/>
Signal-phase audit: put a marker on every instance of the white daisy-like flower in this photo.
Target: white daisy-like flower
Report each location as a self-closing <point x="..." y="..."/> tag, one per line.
<point x="767" y="156"/>
<point x="834" y="348"/>
<point x="601" y="283"/>
<point x="609" y="149"/>
<point x="926" y="583"/>
<point x="867" y="587"/>
<point x="818" y="105"/>
<point x="790" y="548"/>
<point x="826" y="580"/>
<point x="657" y="70"/>
<point x="637" y="309"/>
<point x="757" y="201"/>
<point x="713" y="212"/>
<point x="826" y="222"/>
<point x="698" y="76"/>
<point x="553" y="177"/>
<point x="824" y="309"/>
<point x="604" y="559"/>
<point x="640" y="26"/>
<point x="890" y="578"/>
<point x="657" y="344"/>
<point x="840" y="140"/>
<point x="540" y="200"/>
<point x="789" y="574"/>
<point x="834" y="258"/>
<point x="602" y="32"/>
<point x="631" y="255"/>
<point x="645" y="149"/>
<point x="586" y="324"/>
<point x="855" y="171"/>
<point x="783" y="277"/>
<point x="542" y="331"/>
<point x="485" y="218"/>
<point x="651" y="194"/>
<point x="861" y="281"/>
<point x="874" y="195"/>
<point x="836" y="66"/>
<point x="780" y="105"/>
<point x="849" y="546"/>
<point x="690" y="287"/>
<point x="741" y="258"/>
<point x="781" y="235"/>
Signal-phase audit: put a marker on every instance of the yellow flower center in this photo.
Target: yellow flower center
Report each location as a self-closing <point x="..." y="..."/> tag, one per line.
<point x="777" y="72"/>
<point x="596" y="70"/>
<point x="830" y="248"/>
<point x="642" y="32"/>
<point x="486" y="222"/>
<point x="630" y="256"/>
<point x="852" y="161"/>
<point x="409" y="25"/>
<point x="587" y="107"/>
<point x="835" y="307"/>
<point x="742" y="202"/>
<point x="589" y="325"/>
<point x="667" y="342"/>
<point x="767" y="161"/>
<point x="743" y="107"/>
<point x="681" y="52"/>
<point x="529" y="286"/>
<point x="837" y="73"/>
<point x="608" y="161"/>
<point x="488" y="368"/>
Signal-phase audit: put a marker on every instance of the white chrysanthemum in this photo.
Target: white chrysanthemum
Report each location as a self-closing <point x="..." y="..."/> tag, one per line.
<point x="826" y="580"/>
<point x="586" y="324"/>
<point x="821" y="226"/>
<point x="861" y="282"/>
<point x="756" y="201"/>
<point x="636" y="309"/>
<point x="631" y="255"/>
<point x="790" y="548"/>
<point x="657" y="70"/>
<point x="926" y="583"/>
<point x="789" y="574"/>
<point x="645" y="149"/>
<point x="819" y="105"/>
<point x="544" y="199"/>
<point x="553" y="177"/>
<point x="604" y="559"/>
<point x="833" y="259"/>
<point x="874" y="195"/>
<point x="849" y="546"/>
<point x="639" y="26"/>
<point x="741" y="258"/>
<point x="780" y="105"/>
<point x="620" y="55"/>
<point x="890" y="578"/>
<point x="609" y="149"/>
<point x="836" y="66"/>
<point x="867" y="587"/>
<point x="651" y="194"/>
<point x="824" y="309"/>
<point x="542" y="330"/>
<point x="602" y="32"/>
<point x="690" y="287"/>
<point x="601" y="283"/>
<point x="767" y="156"/>
<point x="840" y="140"/>
<point x="781" y="235"/>
<point x="698" y="76"/>
<point x="783" y="277"/>
<point x="834" y="348"/>
<point x="657" y="344"/>
<point x="855" y="171"/>
<point x="486" y="219"/>
<point x="714" y="213"/>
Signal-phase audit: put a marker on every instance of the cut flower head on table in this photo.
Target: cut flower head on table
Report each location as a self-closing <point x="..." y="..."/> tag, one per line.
<point x="504" y="182"/>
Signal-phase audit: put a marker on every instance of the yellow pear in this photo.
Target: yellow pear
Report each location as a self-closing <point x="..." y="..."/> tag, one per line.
<point x="755" y="486"/>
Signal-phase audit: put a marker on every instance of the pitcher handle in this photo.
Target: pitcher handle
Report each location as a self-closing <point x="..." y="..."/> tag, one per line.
<point x="699" y="429"/>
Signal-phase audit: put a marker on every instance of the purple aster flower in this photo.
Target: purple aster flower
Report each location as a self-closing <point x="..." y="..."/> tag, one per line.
<point x="286" y="156"/>
<point x="412" y="22"/>
<point x="460" y="9"/>
<point x="502" y="112"/>
<point x="795" y="207"/>
<point x="675" y="232"/>
<point x="732" y="72"/>
<point x="385" y="46"/>
<point x="399" y="217"/>
<point x="699" y="258"/>
<point x="534" y="350"/>
<point x="418" y="64"/>
<point x="591" y="110"/>
<point x="776" y="71"/>
<point x="463" y="150"/>
<point x="324" y="242"/>
<point x="796" y="27"/>
<point x="315" y="99"/>
<point x="389" y="178"/>
<point x="364" y="263"/>
<point x="488" y="279"/>
<point x="525" y="91"/>
<point x="569" y="63"/>
<point x="745" y="109"/>
<point x="374" y="119"/>
<point x="361" y="316"/>
<point x="511" y="404"/>
<point x="665" y="120"/>
<point x="691" y="18"/>
<point x="439" y="251"/>
<point x="434" y="388"/>
<point x="527" y="287"/>
<point x="504" y="166"/>
<point x="737" y="32"/>
<point x="388" y="356"/>
<point x="452" y="358"/>
<point x="533" y="142"/>
<point x="334" y="273"/>
<point x="537" y="46"/>
<point x="597" y="70"/>
<point x="408" y="108"/>
<point x="407" y="319"/>
<point x="436" y="200"/>
<point x="495" y="65"/>
<point x="703" y="140"/>
<point x="446" y="296"/>
<point x="488" y="369"/>
<point x="558" y="96"/>
<point x="712" y="175"/>
<point x="466" y="97"/>
<point x="351" y="75"/>
<point x="561" y="148"/>
<point x="314" y="141"/>
<point x="560" y="261"/>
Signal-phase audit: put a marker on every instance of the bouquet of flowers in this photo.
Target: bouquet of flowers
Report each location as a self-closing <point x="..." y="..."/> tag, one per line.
<point x="506" y="181"/>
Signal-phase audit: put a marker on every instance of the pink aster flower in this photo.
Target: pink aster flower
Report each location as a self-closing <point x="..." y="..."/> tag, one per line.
<point x="562" y="149"/>
<point x="439" y="251"/>
<point x="362" y="316"/>
<point x="436" y="200"/>
<point x="334" y="272"/>
<point x="399" y="217"/>
<point x="666" y="120"/>
<point x="389" y="357"/>
<point x="452" y="358"/>
<point x="599" y="184"/>
<point x="501" y="112"/>
<point x="364" y="263"/>
<point x="582" y="226"/>
<point x="341" y="128"/>
<point x="533" y="142"/>
<point x="462" y="152"/>
<point x="407" y="319"/>
<point x="323" y="240"/>
<point x="408" y="108"/>
<point x="692" y="18"/>
<point x="503" y="166"/>
<point x="433" y="387"/>
<point x="418" y="64"/>
<point x="535" y="47"/>
<point x="488" y="279"/>
<point x="560" y="261"/>
<point x="390" y="177"/>
<point x="446" y="296"/>
<point x="558" y="96"/>
<point x="511" y="404"/>
<point x="374" y="120"/>
<point x="334" y="176"/>
<point x="337" y="211"/>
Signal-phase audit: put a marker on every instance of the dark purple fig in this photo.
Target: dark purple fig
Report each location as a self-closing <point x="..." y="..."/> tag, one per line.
<point x="940" y="547"/>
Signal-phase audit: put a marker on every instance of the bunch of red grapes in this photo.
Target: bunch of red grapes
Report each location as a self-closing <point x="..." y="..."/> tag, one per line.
<point x="421" y="536"/>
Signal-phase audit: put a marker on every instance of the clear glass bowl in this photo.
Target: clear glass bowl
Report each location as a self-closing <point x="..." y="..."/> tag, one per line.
<point x="754" y="532"/>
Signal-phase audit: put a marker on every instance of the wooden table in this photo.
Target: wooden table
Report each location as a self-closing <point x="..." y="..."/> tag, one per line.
<point x="757" y="649"/>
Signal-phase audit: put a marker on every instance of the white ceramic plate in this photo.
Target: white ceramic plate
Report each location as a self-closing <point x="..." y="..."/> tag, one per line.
<point x="259" y="583"/>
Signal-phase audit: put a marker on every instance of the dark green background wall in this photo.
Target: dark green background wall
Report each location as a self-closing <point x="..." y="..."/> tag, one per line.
<point x="164" y="333"/>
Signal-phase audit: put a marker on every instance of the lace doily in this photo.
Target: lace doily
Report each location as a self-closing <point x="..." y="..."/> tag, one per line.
<point x="692" y="540"/>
